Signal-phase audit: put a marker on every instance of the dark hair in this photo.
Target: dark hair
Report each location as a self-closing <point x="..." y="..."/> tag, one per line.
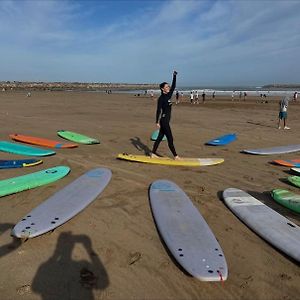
<point x="161" y="86"/>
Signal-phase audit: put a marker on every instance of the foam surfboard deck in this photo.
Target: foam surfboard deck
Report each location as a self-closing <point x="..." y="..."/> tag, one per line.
<point x="41" y="141"/>
<point x="186" y="233"/>
<point x="19" y="163"/>
<point x="190" y="162"/>
<point x="77" y="138"/>
<point x="274" y="150"/>
<point x="32" y="180"/>
<point x="63" y="205"/>
<point x="222" y="140"/>
<point x="287" y="199"/>
<point x="296" y="170"/>
<point x="288" y="162"/>
<point x="154" y="136"/>
<point x="295" y="180"/>
<point x="267" y="223"/>
<point x="23" y="150"/>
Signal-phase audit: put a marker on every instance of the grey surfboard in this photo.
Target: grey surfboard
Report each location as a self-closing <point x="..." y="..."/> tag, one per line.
<point x="274" y="150"/>
<point x="186" y="233"/>
<point x="63" y="205"/>
<point x="267" y="223"/>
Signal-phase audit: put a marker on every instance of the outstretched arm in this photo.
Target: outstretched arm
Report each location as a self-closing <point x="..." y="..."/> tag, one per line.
<point x="173" y="83"/>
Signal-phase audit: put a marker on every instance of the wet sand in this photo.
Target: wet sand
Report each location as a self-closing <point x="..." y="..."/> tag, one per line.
<point x="112" y="249"/>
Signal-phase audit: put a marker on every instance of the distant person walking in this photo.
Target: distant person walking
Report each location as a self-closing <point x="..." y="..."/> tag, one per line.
<point x="163" y="116"/>
<point x="192" y="97"/>
<point x="203" y="97"/>
<point x="295" y="96"/>
<point x="177" y="97"/>
<point x="245" y="95"/>
<point x="152" y="94"/>
<point x="214" y="95"/>
<point x="283" y="106"/>
<point x="197" y="97"/>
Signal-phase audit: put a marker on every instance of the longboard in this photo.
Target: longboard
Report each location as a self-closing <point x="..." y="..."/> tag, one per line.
<point x="286" y="198"/>
<point x="190" y="162"/>
<point x="41" y="141"/>
<point x="19" y="163"/>
<point x="296" y="170"/>
<point x="274" y="150"/>
<point x="23" y="150"/>
<point x="186" y="233"/>
<point x="267" y="223"/>
<point x="288" y="162"/>
<point x="77" y="138"/>
<point x="63" y="205"/>
<point x="154" y="136"/>
<point x="222" y="140"/>
<point x="32" y="180"/>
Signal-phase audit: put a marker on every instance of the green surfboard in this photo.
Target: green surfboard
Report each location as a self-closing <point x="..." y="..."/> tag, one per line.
<point x="154" y="136"/>
<point x="287" y="199"/>
<point x="32" y="180"/>
<point x="295" y="180"/>
<point x="77" y="138"/>
<point x="23" y="150"/>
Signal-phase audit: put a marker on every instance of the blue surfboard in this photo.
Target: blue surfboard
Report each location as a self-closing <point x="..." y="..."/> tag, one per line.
<point x="19" y="163"/>
<point x="222" y="140"/>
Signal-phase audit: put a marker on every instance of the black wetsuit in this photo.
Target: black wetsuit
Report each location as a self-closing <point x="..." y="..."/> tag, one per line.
<point x="164" y="106"/>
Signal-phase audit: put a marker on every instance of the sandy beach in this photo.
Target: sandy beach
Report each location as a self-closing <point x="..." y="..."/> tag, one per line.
<point x="112" y="250"/>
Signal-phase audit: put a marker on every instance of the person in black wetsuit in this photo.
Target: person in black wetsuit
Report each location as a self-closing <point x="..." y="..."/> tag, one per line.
<point x="163" y="116"/>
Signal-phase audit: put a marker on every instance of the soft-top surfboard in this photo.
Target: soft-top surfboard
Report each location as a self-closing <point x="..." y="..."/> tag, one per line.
<point x="266" y="222"/>
<point x="63" y="205"/>
<point x="287" y="199"/>
<point x="23" y="150"/>
<point x="32" y="180"/>
<point x="186" y="233"/>
<point x="222" y="140"/>
<point x="274" y="150"/>
<point x="41" y="141"/>
<point x="288" y="162"/>
<point x="189" y="162"/>
<point x="77" y="138"/>
<point x="296" y="170"/>
<point x="19" y="163"/>
<point x="154" y="136"/>
<point x="295" y="180"/>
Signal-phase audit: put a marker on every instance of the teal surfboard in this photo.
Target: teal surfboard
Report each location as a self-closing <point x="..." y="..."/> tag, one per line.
<point x="154" y="136"/>
<point x="32" y="180"/>
<point x="23" y="150"/>
<point x="77" y="138"/>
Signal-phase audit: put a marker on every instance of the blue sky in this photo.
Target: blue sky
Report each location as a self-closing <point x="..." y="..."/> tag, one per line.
<point x="208" y="42"/>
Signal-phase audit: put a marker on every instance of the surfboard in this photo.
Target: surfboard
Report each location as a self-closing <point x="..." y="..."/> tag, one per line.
<point x="186" y="233"/>
<point x="20" y="163"/>
<point x="287" y="199"/>
<point x="154" y="136"/>
<point x="295" y="180"/>
<point x="23" y="150"/>
<point x="296" y="170"/>
<point x="77" y="138"/>
<point x="41" y="141"/>
<point x="32" y="180"/>
<point x="267" y="223"/>
<point x="63" y="205"/>
<point x="222" y="140"/>
<point x="288" y="162"/>
<point x="189" y="162"/>
<point x="274" y="150"/>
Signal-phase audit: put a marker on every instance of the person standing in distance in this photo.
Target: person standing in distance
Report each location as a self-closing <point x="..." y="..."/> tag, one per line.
<point x="283" y="105"/>
<point x="163" y="117"/>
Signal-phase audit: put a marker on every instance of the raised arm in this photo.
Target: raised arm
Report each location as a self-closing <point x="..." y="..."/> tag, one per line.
<point x="173" y="83"/>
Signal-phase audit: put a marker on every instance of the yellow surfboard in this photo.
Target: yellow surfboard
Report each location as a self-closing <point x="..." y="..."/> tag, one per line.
<point x="189" y="162"/>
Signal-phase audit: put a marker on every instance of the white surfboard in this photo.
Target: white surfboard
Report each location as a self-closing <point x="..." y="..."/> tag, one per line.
<point x="186" y="233"/>
<point x="270" y="225"/>
<point x="274" y="150"/>
<point x="296" y="170"/>
<point x="63" y="205"/>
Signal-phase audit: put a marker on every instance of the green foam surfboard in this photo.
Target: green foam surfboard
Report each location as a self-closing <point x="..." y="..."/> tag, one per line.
<point x="32" y="180"/>
<point x="154" y="136"/>
<point x="295" y="180"/>
<point x="77" y="138"/>
<point x="23" y="150"/>
<point x="287" y="199"/>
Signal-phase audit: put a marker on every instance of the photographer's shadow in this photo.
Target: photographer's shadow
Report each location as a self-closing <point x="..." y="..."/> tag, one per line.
<point x="62" y="277"/>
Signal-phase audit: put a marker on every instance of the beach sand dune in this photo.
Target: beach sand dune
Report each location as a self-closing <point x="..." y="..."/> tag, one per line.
<point x="112" y="249"/>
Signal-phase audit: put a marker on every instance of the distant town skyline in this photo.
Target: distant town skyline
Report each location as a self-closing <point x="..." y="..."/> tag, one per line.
<point x="213" y="43"/>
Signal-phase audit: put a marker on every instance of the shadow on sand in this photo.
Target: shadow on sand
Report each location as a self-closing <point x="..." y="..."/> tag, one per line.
<point x="138" y="144"/>
<point x="63" y="277"/>
<point x="16" y="243"/>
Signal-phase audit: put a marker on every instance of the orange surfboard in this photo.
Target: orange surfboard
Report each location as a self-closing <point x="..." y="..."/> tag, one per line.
<point x="41" y="142"/>
<point x="288" y="162"/>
